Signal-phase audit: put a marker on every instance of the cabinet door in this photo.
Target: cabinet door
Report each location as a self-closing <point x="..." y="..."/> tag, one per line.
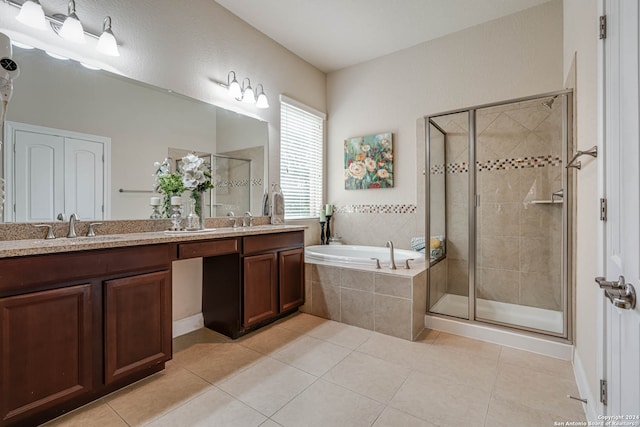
<point x="291" y="278"/>
<point x="137" y="323"/>
<point x="45" y="350"/>
<point x="260" y="288"/>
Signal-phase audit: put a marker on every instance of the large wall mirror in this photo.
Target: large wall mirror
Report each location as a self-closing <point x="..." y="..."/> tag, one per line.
<point x="137" y="125"/>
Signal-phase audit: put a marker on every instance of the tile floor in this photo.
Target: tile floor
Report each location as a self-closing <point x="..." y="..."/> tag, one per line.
<point x="308" y="371"/>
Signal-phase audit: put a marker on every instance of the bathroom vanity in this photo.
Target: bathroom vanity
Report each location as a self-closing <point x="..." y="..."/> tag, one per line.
<point x="83" y="317"/>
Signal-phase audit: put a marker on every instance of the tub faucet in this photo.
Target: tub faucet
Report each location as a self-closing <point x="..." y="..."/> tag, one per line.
<point x="72" y="225"/>
<point x="393" y="260"/>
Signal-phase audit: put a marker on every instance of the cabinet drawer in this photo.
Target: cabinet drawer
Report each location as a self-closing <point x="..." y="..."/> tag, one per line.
<point x="210" y="248"/>
<point x="271" y="242"/>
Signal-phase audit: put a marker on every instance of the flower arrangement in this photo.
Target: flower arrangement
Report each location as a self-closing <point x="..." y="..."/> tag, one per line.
<point x="194" y="175"/>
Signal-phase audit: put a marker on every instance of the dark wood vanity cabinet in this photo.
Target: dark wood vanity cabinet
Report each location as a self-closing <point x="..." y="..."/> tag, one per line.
<point x="253" y="283"/>
<point x="260" y="288"/>
<point x="46" y="350"/>
<point x="273" y="276"/>
<point x="76" y="326"/>
<point x="137" y="329"/>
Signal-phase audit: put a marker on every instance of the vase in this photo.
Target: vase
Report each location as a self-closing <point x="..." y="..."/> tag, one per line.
<point x="198" y="201"/>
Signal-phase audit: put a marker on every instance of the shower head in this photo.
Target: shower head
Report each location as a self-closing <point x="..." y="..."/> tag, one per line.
<point x="549" y="104"/>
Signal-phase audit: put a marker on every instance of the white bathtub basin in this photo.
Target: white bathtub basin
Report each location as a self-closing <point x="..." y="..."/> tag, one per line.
<point x="361" y="255"/>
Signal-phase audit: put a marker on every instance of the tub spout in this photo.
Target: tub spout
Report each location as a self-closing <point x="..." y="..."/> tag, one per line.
<point x="392" y="265"/>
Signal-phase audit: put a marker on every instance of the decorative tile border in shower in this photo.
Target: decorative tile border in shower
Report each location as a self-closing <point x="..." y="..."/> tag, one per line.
<point x="375" y="209"/>
<point x="519" y="163"/>
<point x="499" y="164"/>
<point x="239" y="183"/>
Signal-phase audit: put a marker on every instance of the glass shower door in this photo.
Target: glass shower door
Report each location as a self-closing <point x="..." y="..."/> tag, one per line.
<point x="520" y="179"/>
<point x="447" y="238"/>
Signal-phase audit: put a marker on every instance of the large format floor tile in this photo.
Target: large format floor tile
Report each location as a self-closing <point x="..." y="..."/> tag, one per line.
<point x="307" y="371"/>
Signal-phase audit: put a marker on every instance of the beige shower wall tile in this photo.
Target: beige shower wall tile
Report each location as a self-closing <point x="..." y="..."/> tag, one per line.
<point x="393" y="316"/>
<point x="389" y="284"/>
<point x="357" y="308"/>
<point x="498" y="285"/>
<point x="542" y="290"/>
<point x="457" y="189"/>
<point x="499" y="252"/>
<point x="539" y="255"/>
<point x="499" y="186"/>
<point x="500" y="219"/>
<point x="457" y="244"/>
<point x="541" y="221"/>
<point x="501" y="137"/>
<point x="437" y="277"/>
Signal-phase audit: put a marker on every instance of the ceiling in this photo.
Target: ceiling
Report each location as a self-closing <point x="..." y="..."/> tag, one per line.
<point x="334" y="34"/>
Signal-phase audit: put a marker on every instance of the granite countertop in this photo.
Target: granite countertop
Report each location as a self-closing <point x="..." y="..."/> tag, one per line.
<point x="16" y="248"/>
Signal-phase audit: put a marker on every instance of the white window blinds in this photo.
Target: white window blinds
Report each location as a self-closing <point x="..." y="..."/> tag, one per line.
<point x="301" y="159"/>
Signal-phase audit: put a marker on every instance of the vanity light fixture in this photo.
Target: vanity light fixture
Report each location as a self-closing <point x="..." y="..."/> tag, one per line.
<point x="67" y="26"/>
<point x="248" y="97"/>
<point x="31" y="14"/>
<point x="244" y="92"/>
<point x="234" y="87"/>
<point x="72" y="27"/>
<point x="262" y="101"/>
<point x="107" y="42"/>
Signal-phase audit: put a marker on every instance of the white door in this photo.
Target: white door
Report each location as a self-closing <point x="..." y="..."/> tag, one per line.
<point x="52" y="171"/>
<point x="84" y="175"/>
<point x="39" y="176"/>
<point x="622" y="187"/>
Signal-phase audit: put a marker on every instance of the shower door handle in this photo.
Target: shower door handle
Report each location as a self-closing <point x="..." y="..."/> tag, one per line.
<point x="621" y="294"/>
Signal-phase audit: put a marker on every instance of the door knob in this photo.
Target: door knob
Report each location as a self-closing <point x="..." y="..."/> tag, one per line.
<point x="621" y="294"/>
<point x="605" y="284"/>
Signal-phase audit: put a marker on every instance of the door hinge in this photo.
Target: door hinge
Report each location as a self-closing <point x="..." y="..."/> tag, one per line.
<point x="603" y="209"/>
<point x="603" y="27"/>
<point x="603" y="392"/>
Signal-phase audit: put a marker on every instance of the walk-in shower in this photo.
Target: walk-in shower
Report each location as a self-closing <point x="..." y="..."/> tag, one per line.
<point x="498" y="213"/>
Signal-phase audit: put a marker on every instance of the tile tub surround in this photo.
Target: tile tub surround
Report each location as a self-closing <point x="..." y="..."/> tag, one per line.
<point x="392" y="303"/>
<point x="270" y="378"/>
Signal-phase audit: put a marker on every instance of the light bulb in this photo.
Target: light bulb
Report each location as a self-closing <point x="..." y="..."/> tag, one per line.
<point x="262" y="101"/>
<point x="32" y="15"/>
<point x="72" y="27"/>
<point x="234" y="89"/>
<point x="248" y="97"/>
<point x="107" y="43"/>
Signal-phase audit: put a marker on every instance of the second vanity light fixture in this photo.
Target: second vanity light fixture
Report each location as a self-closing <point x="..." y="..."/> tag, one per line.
<point x="244" y="92"/>
<point x="67" y="26"/>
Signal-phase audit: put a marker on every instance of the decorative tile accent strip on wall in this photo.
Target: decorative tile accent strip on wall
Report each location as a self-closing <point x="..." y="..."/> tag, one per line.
<point x="500" y="164"/>
<point x="374" y="209"/>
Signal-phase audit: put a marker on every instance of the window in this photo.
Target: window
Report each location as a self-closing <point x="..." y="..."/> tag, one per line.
<point x="301" y="159"/>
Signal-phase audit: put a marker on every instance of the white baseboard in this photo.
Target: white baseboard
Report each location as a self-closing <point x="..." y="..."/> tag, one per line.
<point x="590" y="408"/>
<point x="188" y="324"/>
<point x="498" y="336"/>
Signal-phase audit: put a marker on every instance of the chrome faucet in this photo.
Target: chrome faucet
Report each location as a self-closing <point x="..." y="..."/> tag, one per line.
<point x="247" y="215"/>
<point x="392" y="265"/>
<point x="72" y="225"/>
<point x="232" y="218"/>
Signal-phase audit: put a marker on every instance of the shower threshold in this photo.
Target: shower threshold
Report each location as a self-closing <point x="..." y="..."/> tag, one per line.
<point x="513" y="314"/>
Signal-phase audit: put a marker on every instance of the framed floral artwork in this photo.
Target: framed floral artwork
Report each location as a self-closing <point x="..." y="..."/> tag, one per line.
<point x="368" y="162"/>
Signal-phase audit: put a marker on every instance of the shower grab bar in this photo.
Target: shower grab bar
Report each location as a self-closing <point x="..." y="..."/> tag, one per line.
<point x="575" y="163"/>
<point x="122" y="190"/>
